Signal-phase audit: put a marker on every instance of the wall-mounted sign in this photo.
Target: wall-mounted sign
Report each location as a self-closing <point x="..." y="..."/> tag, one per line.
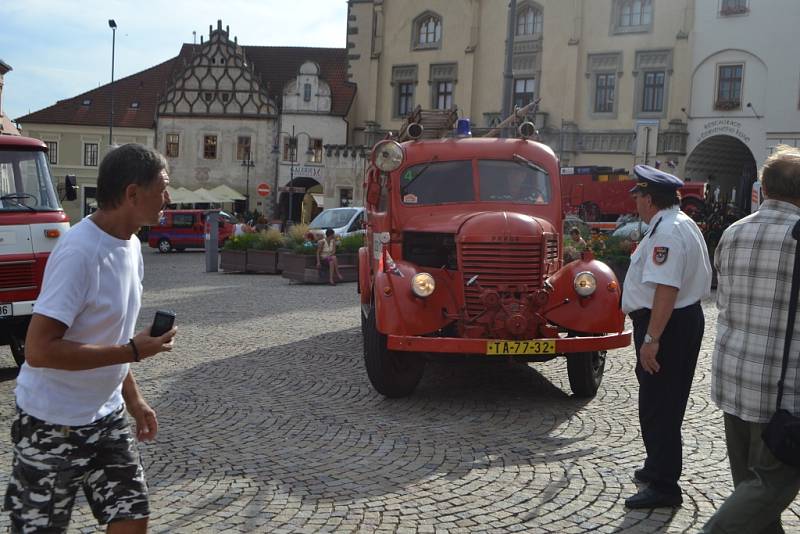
<point x="723" y="127"/>
<point x="307" y="170"/>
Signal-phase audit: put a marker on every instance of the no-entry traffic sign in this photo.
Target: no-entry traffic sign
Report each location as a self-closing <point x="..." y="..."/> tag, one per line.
<point x="263" y="189"/>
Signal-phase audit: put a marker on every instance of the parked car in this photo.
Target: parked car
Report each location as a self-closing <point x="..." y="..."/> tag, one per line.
<point x="182" y="229"/>
<point x="344" y="221"/>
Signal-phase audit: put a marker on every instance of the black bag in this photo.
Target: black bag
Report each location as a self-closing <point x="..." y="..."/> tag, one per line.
<point x="782" y="435"/>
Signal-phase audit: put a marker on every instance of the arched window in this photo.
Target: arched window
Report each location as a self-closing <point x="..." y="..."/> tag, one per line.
<point x="635" y="13"/>
<point x="529" y="21"/>
<point x="428" y="31"/>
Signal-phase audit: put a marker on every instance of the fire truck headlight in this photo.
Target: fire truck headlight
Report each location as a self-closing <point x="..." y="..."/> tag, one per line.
<point x="585" y="283"/>
<point x="423" y="285"/>
<point x="387" y="155"/>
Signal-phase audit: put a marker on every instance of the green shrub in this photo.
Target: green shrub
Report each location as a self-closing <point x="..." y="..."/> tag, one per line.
<point x="241" y="242"/>
<point x="350" y="243"/>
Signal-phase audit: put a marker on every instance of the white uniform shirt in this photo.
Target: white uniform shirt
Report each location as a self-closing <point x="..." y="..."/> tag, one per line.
<point x="674" y="254"/>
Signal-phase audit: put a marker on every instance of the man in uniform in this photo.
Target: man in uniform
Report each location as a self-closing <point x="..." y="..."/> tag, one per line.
<point x="668" y="276"/>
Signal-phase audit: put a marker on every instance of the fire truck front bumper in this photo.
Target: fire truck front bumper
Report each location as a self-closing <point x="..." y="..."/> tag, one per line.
<point x="501" y="347"/>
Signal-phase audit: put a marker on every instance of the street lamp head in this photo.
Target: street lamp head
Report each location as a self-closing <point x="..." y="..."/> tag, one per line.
<point x="112" y="24"/>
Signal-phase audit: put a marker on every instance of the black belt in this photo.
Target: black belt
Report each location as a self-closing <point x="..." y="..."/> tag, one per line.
<point x="644" y="313"/>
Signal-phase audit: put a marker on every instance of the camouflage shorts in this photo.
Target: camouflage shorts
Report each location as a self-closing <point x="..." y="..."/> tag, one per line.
<point x="52" y="461"/>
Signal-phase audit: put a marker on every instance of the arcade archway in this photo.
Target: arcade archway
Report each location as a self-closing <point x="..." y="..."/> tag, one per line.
<point x="291" y="203"/>
<point x="728" y="165"/>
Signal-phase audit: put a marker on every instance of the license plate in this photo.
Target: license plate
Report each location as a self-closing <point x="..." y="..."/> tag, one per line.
<point x="513" y="348"/>
<point x="6" y="310"/>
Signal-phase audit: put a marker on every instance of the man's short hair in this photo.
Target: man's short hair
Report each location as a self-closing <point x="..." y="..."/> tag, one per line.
<point x="780" y="174"/>
<point x="125" y="165"/>
<point x="664" y="198"/>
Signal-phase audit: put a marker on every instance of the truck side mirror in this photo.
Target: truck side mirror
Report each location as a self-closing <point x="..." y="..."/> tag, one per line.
<point x="70" y="187"/>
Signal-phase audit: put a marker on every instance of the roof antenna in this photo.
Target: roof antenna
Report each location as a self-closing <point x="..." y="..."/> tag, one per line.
<point x="194" y="37"/>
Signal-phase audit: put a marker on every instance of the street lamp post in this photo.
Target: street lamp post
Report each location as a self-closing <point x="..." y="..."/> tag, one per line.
<point x="113" y="26"/>
<point x="292" y="159"/>
<point x="248" y="164"/>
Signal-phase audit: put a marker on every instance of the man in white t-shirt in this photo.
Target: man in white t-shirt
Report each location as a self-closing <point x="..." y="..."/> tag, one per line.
<point x="70" y="430"/>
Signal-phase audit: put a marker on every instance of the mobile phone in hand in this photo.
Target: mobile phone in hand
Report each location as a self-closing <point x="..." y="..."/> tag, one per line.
<point x="162" y="323"/>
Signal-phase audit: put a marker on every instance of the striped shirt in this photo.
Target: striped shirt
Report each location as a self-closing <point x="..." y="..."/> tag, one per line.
<point x="754" y="261"/>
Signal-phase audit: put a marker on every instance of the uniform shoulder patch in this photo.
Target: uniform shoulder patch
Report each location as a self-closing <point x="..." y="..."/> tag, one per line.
<point x="660" y="255"/>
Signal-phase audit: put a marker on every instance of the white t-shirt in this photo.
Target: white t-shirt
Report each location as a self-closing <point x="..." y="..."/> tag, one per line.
<point x="674" y="253"/>
<point x="92" y="284"/>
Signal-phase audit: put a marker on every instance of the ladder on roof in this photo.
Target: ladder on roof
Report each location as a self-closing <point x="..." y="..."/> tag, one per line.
<point x="516" y="117"/>
<point x="436" y="123"/>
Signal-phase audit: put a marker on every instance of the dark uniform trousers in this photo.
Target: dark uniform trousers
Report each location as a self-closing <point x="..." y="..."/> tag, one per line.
<point x="663" y="395"/>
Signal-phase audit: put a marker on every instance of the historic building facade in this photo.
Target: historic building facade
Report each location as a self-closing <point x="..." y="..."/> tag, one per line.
<point x="745" y="91"/>
<point x="220" y="112"/>
<point x="604" y="69"/>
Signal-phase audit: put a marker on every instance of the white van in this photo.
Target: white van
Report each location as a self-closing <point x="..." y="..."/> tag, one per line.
<point x="344" y="221"/>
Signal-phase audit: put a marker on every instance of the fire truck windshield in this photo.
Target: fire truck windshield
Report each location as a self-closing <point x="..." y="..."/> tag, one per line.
<point x="25" y="183"/>
<point x="511" y="181"/>
<point x="437" y="183"/>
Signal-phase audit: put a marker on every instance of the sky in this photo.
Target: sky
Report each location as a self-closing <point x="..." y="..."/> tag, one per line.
<point x="61" y="48"/>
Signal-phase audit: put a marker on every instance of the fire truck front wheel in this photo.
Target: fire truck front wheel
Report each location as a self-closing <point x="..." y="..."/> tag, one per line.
<point x="585" y="371"/>
<point x="17" y="345"/>
<point x="393" y="374"/>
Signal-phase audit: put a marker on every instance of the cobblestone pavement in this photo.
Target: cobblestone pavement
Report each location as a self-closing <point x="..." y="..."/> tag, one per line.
<point x="268" y="424"/>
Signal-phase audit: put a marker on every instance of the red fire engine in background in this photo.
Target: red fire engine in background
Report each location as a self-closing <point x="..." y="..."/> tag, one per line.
<point x="597" y="194"/>
<point x="31" y="222"/>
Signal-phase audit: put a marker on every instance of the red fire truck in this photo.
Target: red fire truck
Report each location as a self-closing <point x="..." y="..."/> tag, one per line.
<point x="31" y="222"/>
<point x="599" y="194"/>
<point x="463" y="255"/>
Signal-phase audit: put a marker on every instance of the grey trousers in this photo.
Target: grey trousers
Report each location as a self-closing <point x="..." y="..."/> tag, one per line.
<point x="763" y="485"/>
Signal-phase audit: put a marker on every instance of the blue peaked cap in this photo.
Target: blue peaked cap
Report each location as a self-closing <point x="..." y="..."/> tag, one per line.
<point x="649" y="178"/>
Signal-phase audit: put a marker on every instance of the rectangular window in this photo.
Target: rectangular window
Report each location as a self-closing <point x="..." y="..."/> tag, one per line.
<point x="729" y="87"/>
<point x="604" y="87"/>
<point x="443" y="98"/>
<point x="405" y="99"/>
<point x="345" y="197"/>
<point x="307" y="92"/>
<point x="243" y="148"/>
<point x="173" y="145"/>
<point x="523" y="91"/>
<point x="52" y="152"/>
<point x="316" y="151"/>
<point x="90" y="154"/>
<point x="182" y="220"/>
<point x="653" y="96"/>
<point x="210" y="147"/>
<point x="733" y="7"/>
<point x="290" y="149"/>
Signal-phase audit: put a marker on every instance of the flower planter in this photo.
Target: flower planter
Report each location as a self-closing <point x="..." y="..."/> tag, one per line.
<point x="282" y="252"/>
<point x="303" y="268"/>
<point x="262" y="261"/>
<point x="233" y="261"/>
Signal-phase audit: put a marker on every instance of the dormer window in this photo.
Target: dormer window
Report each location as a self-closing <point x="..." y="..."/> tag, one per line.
<point x="529" y="22"/>
<point x="428" y="31"/>
<point x="135" y="104"/>
<point x="86" y="102"/>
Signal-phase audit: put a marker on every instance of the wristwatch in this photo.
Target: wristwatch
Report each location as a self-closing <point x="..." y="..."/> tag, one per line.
<point x="649" y="339"/>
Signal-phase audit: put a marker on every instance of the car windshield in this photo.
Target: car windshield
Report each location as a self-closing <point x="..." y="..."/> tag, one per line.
<point x="335" y="218"/>
<point x="437" y="183"/>
<point x="25" y="183"/>
<point x="513" y="181"/>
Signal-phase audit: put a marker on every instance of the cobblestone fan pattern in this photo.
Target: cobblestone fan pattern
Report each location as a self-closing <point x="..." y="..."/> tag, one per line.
<point x="268" y="424"/>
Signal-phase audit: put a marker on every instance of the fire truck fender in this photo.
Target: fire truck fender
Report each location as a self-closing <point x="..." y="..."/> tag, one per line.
<point x="598" y="313"/>
<point x="364" y="276"/>
<point x="398" y="311"/>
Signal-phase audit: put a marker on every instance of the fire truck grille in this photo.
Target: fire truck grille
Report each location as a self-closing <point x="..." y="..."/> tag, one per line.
<point x="17" y="275"/>
<point x="499" y="264"/>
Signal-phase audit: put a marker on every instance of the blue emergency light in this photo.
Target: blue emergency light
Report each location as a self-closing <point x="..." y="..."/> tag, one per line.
<point x="463" y="128"/>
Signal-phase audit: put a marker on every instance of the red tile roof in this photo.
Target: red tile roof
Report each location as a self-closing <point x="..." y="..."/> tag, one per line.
<point x="275" y="65"/>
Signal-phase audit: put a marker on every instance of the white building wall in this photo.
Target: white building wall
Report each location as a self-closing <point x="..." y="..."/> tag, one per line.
<point x="763" y="39"/>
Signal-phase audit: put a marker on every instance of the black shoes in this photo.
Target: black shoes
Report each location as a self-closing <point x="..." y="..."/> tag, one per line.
<point x="651" y="498"/>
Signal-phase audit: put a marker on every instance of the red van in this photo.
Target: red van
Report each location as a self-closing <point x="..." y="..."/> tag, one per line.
<point x="182" y="229"/>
